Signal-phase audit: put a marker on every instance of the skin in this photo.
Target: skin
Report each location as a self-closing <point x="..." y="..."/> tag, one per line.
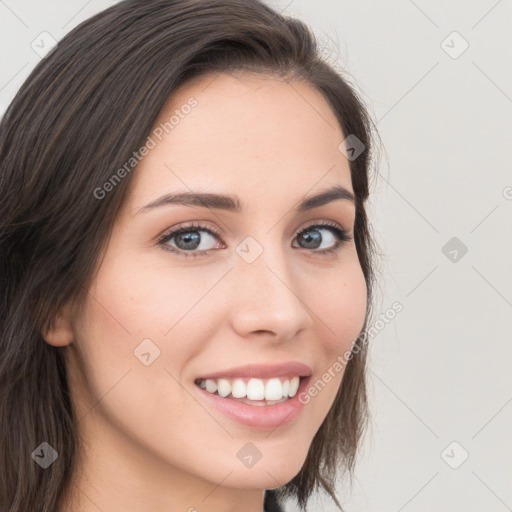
<point x="151" y="443"/>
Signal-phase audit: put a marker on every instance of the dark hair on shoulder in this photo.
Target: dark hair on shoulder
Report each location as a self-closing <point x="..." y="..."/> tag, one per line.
<point x="83" y="110"/>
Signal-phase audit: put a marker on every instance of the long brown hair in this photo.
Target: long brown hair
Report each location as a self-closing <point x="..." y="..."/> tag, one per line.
<point x="82" y="112"/>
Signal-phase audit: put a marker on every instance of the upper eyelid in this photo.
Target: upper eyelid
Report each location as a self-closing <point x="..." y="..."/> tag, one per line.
<point x="203" y="225"/>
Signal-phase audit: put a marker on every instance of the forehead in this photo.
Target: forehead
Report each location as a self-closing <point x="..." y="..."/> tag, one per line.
<point x="249" y="134"/>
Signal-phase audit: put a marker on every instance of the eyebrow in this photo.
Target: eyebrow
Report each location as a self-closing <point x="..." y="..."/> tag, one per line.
<point x="233" y="204"/>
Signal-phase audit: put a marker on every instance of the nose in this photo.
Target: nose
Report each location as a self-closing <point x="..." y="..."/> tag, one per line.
<point x="269" y="298"/>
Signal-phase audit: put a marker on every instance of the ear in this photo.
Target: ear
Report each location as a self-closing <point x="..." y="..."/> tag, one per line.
<point x="60" y="332"/>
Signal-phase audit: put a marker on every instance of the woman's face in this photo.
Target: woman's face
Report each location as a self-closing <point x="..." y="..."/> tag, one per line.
<point x="255" y="293"/>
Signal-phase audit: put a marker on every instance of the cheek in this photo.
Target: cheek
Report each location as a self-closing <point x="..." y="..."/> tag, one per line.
<point x="135" y="309"/>
<point x="149" y="403"/>
<point x="340" y="305"/>
<point x="340" y="308"/>
<point x="149" y="299"/>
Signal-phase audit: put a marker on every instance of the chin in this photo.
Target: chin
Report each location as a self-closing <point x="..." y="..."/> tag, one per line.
<point x="268" y="474"/>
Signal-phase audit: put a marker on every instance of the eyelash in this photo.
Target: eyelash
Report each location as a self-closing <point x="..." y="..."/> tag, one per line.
<point x="341" y="235"/>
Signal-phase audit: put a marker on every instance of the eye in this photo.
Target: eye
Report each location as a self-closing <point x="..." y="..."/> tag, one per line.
<point x="188" y="239"/>
<point x="189" y="242"/>
<point x="311" y="236"/>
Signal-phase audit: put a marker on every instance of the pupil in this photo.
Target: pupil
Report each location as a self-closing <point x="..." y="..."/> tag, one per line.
<point x="315" y="239"/>
<point x="191" y="240"/>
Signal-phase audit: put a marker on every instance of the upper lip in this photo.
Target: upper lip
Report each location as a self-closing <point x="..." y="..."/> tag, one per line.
<point x="288" y="369"/>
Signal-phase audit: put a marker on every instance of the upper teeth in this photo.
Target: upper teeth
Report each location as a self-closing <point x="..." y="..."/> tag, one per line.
<point x="254" y="389"/>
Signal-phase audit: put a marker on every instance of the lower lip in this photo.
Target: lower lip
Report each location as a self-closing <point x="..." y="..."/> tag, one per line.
<point x="258" y="416"/>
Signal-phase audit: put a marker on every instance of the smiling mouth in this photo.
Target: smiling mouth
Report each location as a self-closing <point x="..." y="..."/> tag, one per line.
<point x="252" y="391"/>
<point x="271" y="403"/>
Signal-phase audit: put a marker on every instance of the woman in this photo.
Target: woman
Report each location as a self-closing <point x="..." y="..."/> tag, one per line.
<point x="187" y="265"/>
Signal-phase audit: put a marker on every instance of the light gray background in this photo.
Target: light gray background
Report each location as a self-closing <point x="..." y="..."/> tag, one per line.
<point x="441" y="370"/>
